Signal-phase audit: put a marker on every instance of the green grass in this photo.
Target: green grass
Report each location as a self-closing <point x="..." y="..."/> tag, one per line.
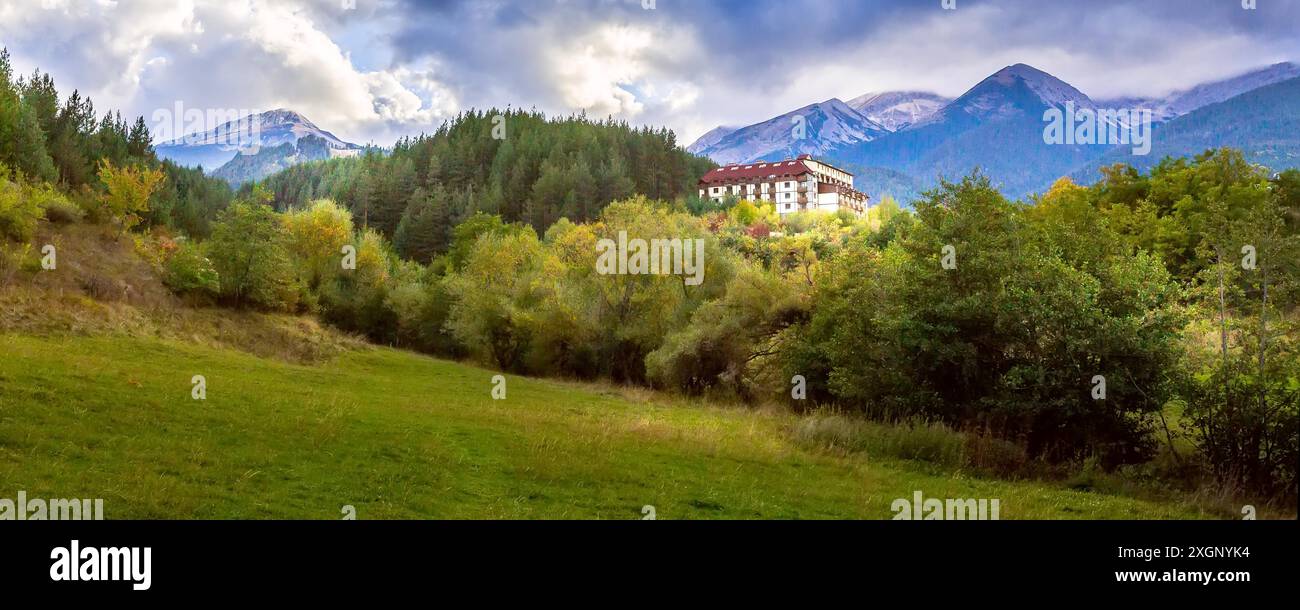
<point x="401" y="436"/>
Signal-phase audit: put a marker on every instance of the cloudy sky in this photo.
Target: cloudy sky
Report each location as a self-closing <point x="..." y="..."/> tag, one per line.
<point x="373" y="70"/>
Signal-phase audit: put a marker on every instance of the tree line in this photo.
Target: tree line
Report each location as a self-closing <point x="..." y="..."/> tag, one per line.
<point x="518" y="165"/>
<point x="64" y="142"/>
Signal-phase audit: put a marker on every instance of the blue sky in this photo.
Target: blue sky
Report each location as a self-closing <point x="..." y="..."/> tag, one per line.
<point x="373" y="70"/>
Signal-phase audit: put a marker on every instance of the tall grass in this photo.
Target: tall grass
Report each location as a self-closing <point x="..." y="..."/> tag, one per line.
<point x="930" y="442"/>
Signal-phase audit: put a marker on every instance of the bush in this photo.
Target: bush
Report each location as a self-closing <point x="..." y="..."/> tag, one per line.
<point x="103" y="288"/>
<point x="19" y="212"/>
<point x="13" y="258"/>
<point x="92" y="206"/>
<point x="930" y="442"/>
<point x="1247" y="423"/>
<point x="189" y="272"/>
<point x="58" y="209"/>
<point x="316" y="237"/>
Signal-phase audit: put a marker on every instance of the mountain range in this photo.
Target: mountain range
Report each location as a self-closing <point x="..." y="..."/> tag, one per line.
<point x="256" y="146"/>
<point x="900" y="143"/>
<point x="897" y="143"/>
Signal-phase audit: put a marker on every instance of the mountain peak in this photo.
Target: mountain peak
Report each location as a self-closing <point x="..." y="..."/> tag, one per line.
<point x="282" y="116"/>
<point x="1021" y="69"/>
<point x="1050" y="90"/>
<point x="1024" y="72"/>
<point x="1183" y="102"/>
<point x="895" y="110"/>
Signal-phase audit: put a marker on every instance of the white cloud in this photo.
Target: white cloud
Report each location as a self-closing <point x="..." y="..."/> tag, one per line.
<point x="253" y="54"/>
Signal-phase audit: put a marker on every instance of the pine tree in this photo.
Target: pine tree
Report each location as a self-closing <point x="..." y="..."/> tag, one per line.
<point x="22" y="143"/>
<point x="139" y="144"/>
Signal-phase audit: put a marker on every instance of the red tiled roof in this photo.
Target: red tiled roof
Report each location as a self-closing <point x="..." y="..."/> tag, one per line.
<point x="751" y="171"/>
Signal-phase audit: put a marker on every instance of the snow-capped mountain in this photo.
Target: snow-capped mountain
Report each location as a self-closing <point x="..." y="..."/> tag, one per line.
<point x="895" y="110"/>
<point x="268" y="130"/>
<point x="1186" y="101"/>
<point x="814" y="129"/>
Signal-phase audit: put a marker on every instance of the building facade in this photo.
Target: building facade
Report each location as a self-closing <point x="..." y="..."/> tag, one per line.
<point x="797" y="185"/>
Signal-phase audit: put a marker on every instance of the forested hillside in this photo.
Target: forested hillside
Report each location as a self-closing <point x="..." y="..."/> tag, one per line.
<point x="515" y="164"/>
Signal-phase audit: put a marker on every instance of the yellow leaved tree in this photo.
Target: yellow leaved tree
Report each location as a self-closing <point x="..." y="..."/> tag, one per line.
<point x="129" y="190"/>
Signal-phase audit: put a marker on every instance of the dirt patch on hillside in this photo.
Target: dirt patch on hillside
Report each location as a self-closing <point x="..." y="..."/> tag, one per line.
<point x="102" y="286"/>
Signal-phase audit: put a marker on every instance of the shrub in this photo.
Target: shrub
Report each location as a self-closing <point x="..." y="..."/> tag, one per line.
<point x="929" y="442"/>
<point x="92" y="206"/>
<point x="189" y="272"/>
<point x="58" y="209"/>
<point x="997" y="456"/>
<point x="19" y="213"/>
<point x="12" y="259"/>
<point x="316" y="237"/>
<point x="492" y="295"/>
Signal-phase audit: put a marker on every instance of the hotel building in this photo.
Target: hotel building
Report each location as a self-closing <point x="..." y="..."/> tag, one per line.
<point x="799" y="185"/>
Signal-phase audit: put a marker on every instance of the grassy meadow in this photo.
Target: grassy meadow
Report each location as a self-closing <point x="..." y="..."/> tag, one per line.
<point x="403" y="436"/>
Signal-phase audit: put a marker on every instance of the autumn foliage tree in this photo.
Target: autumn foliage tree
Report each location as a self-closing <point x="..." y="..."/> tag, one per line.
<point x="129" y="190"/>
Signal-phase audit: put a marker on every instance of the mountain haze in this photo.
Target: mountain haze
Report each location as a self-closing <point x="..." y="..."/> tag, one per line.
<point x="1264" y="124"/>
